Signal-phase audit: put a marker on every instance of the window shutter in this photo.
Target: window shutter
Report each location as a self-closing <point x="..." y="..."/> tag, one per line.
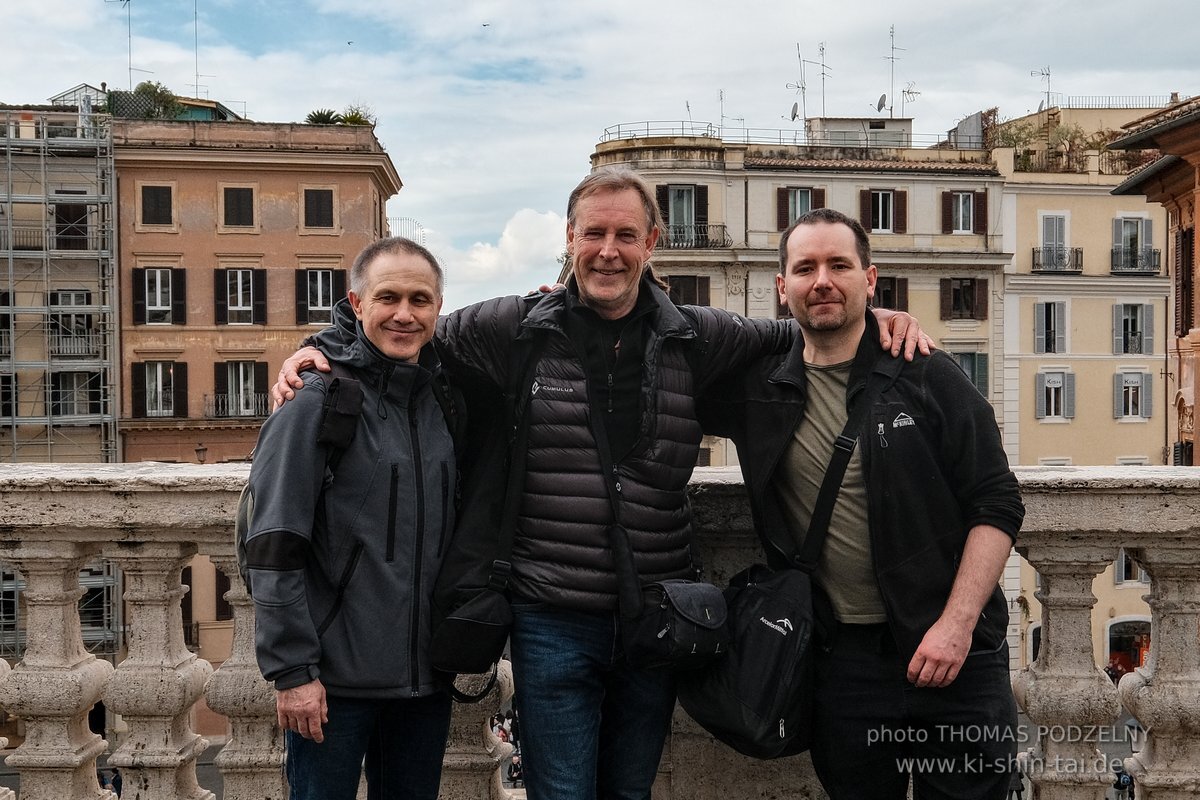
<point x="179" y="385"/>
<point x="864" y="208"/>
<point x="702" y="291"/>
<point x="1069" y="395"/>
<point x="981" y="213"/>
<point x="1184" y="242"/>
<point x="1118" y="395"/>
<point x="947" y="212"/>
<point x="1147" y="330"/>
<point x="137" y="385"/>
<point x="1039" y="327"/>
<point x="259" y="289"/>
<point x="301" y="297"/>
<point x="902" y="294"/>
<point x="1116" y="228"/>
<point x="1040" y="400"/>
<point x="701" y="210"/>
<point x="663" y="196"/>
<point x="1147" y="408"/>
<point x="221" y="378"/>
<point x="1118" y="335"/>
<point x="339" y="285"/>
<point x="981" y="298"/>
<point x="221" y="295"/>
<point x="1060" y="327"/>
<point x="1147" y="241"/>
<point x="179" y="296"/>
<point x="945" y="300"/>
<point x="818" y="198"/>
<point x="981" y="373"/>
<point x="781" y="209"/>
<point x="260" y="381"/>
<point x="139" y="296"/>
<point x="900" y="212"/>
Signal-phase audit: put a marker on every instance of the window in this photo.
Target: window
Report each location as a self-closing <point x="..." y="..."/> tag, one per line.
<point x="1054" y="243"/>
<point x="891" y="293"/>
<point x="156" y="206"/>
<point x="1129" y="571"/>
<point x="689" y="290"/>
<point x="975" y="365"/>
<point x="237" y="204"/>
<point x="75" y="394"/>
<point x="1055" y="395"/>
<point x="241" y="296"/>
<point x="1133" y="245"/>
<point x="159" y="388"/>
<point x="72" y="334"/>
<point x="1133" y="329"/>
<point x="159" y="296"/>
<point x="883" y="210"/>
<point x="1185" y="281"/>
<point x="964" y="298"/>
<point x="964" y="212"/>
<point x="1050" y="327"/>
<point x="70" y="223"/>
<point x="316" y="292"/>
<point x="1132" y="395"/>
<point x="241" y="388"/>
<point x="791" y="202"/>
<point x="5" y="332"/>
<point x="685" y="210"/>
<point x="8" y="400"/>
<point x="318" y="208"/>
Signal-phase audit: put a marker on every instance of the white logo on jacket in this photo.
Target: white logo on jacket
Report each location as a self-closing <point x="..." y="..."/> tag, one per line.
<point x="783" y="626"/>
<point x="903" y="420"/>
<point x="540" y="387"/>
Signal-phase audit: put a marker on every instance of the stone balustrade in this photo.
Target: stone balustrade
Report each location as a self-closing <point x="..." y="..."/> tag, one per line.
<point x="149" y="519"/>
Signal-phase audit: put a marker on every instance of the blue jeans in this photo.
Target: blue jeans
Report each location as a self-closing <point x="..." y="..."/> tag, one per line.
<point x="401" y="741"/>
<point x="591" y="725"/>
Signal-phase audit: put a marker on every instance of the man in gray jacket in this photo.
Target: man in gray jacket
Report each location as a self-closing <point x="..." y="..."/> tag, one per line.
<point x="344" y="545"/>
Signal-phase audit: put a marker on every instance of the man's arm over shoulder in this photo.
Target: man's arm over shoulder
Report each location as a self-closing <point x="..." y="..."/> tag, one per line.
<point x="726" y="342"/>
<point x="478" y="339"/>
<point x="285" y="482"/>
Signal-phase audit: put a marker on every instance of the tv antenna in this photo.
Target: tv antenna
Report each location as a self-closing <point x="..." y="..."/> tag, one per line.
<point x="909" y="95"/>
<point x="802" y="86"/>
<point x="128" y="35"/>
<point x="1044" y="72"/>
<point x="893" y="58"/>
<point x="742" y="120"/>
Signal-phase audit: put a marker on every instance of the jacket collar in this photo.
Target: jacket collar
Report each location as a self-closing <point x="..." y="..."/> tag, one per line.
<point x="792" y="368"/>
<point x="388" y="376"/>
<point x="665" y="318"/>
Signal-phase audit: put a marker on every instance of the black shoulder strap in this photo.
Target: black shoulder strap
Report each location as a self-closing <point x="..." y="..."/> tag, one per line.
<point x="339" y="412"/>
<point x="523" y="361"/>
<point x="882" y="375"/>
<point x="453" y="406"/>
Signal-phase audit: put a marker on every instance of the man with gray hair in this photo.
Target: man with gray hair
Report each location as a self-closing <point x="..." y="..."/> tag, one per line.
<point x="337" y="527"/>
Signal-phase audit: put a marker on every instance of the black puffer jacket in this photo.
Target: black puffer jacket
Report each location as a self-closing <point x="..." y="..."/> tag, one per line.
<point x="560" y="553"/>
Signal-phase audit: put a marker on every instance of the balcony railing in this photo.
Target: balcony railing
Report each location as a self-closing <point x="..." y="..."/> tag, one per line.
<point x="34" y="238"/>
<point x="86" y="345"/>
<point x="151" y="519"/>
<point x="1058" y="259"/>
<point x="708" y="236"/>
<point x="1141" y="260"/>
<point x="237" y="405"/>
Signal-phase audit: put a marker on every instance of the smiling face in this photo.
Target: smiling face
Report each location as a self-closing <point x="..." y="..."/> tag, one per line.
<point x="399" y="304"/>
<point x="609" y="244"/>
<point x="825" y="283"/>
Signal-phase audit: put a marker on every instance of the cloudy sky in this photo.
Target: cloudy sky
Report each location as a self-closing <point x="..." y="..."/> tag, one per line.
<point x="490" y="109"/>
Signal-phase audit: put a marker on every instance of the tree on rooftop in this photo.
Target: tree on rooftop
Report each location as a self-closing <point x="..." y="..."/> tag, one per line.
<point x="323" y="116"/>
<point x="356" y="114"/>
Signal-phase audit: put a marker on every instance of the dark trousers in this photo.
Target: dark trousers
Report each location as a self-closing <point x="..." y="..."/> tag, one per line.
<point x="398" y="743"/>
<point x="874" y="729"/>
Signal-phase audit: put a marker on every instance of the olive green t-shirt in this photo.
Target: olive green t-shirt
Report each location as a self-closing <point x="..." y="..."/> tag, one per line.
<point x="845" y="570"/>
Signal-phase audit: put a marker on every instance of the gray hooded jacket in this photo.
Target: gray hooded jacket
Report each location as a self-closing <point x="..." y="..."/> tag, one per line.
<point x="342" y="564"/>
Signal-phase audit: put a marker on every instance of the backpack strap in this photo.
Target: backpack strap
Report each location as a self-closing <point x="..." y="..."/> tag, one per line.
<point x="339" y="411"/>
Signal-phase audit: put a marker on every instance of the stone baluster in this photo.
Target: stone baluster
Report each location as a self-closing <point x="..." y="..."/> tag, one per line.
<point x="1164" y="694"/>
<point x="5" y="793"/>
<point x="471" y="768"/>
<point x="251" y="762"/>
<point x="1064" y="693"/>
<point x="159" y="681"/>
<point x="57" y="682"/>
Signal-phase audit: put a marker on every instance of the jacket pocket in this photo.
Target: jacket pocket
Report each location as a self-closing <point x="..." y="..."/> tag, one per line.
<point x="343" y="582"/>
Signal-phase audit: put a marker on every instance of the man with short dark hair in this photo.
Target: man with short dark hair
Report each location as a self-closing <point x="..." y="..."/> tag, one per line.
<point x="612" y="347"/>
<point x="342" y="558"/>
<point x="912" y="678"/>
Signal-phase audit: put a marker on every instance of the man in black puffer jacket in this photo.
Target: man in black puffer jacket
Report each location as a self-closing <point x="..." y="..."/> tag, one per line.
<point x="612" y="345"/>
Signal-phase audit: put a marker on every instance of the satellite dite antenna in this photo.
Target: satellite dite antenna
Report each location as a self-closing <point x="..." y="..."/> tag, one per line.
<point x="795" y="110"/>
<point x="882" y="102"/>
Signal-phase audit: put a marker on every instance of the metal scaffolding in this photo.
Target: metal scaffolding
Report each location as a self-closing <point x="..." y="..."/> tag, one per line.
<point x="58" y="317"/>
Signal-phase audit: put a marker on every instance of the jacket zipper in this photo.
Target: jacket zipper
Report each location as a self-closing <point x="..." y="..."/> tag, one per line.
<point x="418" y="548"/>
